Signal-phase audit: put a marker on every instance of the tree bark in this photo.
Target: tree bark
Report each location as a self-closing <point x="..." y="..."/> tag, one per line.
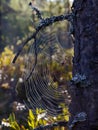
<point x="84" y="84"/>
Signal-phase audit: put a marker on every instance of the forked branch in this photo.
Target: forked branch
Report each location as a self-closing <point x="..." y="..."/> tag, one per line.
<point x="42" y="24"/>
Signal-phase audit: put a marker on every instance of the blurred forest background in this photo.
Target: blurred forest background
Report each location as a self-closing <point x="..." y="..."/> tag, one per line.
<point x="17" y="22"/>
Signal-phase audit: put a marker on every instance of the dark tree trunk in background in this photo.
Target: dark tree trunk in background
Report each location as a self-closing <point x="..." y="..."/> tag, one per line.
<point x="84" y="87"/>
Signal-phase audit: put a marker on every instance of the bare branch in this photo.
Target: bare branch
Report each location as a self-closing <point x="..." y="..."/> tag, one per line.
<point x="42" y="24"/>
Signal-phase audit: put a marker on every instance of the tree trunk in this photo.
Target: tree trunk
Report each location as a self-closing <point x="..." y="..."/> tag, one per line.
<point x="84" y="84"/>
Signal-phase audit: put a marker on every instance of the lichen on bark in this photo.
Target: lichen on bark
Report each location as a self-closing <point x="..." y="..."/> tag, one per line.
<point x="85" y="62"/>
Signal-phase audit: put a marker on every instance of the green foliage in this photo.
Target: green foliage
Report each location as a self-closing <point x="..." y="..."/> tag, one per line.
<point x="8" y="70"/>
<point x="13" y="122"/>
<point x="34" y="120"/>
<point x="9" y="76"/>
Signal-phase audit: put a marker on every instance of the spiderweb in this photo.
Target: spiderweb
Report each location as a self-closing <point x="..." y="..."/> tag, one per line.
<point x="40" y="89"/>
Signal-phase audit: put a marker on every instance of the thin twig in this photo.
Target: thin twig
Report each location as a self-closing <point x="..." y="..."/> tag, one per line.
<point x="38" y="12"/>
<point x="22" y="46"/>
